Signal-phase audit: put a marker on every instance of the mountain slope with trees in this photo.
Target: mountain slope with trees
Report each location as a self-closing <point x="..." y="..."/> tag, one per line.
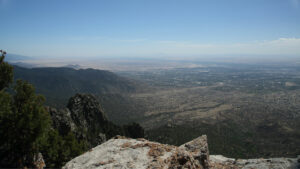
<point x="30" y="135"/>
<point x="59" y="84"/>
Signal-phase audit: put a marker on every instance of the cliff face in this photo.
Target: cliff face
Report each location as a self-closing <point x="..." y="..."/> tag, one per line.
<point x="125" y="153"/>
<point x="86" y="119"/>
<point x="86" y="110"/>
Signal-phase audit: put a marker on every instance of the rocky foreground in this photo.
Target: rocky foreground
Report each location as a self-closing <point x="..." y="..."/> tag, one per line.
<point x="121" y="152"/>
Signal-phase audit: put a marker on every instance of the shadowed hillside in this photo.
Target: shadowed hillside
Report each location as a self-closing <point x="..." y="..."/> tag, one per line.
<point x="59" y="84"/>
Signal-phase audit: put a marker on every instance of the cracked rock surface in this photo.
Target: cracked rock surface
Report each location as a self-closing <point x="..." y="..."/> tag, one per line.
<point x="221" y="162"/>
<point x="134" y="153"/>
<point x="124" y="153"/>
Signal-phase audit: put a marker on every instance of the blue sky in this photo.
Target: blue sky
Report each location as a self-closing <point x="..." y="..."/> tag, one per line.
<point x="150" y="28"/>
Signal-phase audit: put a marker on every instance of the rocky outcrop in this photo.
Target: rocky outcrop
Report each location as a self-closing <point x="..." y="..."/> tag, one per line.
<point x="135" y="153"/>
<point x="121" y="152"/>
<point x="62" y="120"/>
<point x="86" y="110"/>
<point x="38" y="161"/>
<point x="221" y="162"/>
<point x="86" y="119"/>
<point x="199" y="149"/>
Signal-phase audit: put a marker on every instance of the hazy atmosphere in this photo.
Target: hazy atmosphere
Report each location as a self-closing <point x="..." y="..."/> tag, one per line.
<point x="151" y="29"/>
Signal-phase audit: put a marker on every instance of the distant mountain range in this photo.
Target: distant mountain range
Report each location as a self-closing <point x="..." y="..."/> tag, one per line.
<point x="17" y="58"/>
<point x="20" y="60"/>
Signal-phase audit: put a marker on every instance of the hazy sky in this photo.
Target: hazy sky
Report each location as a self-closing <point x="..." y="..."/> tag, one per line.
<point x="150" y="28"/>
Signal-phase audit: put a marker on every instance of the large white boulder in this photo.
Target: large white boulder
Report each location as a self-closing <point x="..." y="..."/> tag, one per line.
<point x="128" y="153"/>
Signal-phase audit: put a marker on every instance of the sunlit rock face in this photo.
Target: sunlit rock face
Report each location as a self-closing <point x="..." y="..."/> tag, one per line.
<point x="125" y="153"/>
<point x="135" y="153"/>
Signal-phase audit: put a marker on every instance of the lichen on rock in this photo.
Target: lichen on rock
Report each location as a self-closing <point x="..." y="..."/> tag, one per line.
<point x="121" y="152"/>
<point x="135" y="153"/>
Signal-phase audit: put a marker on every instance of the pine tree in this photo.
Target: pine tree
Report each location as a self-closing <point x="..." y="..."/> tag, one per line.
<point x="53" y="150"/>
<point x="24" y="122"/>
<point x="6" y="72"/>
<point x="25" y="126"/>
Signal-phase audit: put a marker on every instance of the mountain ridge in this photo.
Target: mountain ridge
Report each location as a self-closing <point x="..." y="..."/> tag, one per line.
<point x="58" y="84"/>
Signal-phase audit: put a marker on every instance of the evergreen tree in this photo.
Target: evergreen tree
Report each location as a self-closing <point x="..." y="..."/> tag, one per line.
<point x="53" y="150"/>
<point x="25" y="126"/>
<point x="60" y="149"/>
<point x="24" y="122"/>
<point x="6" y="72"/>
<point x="6" y="77"/>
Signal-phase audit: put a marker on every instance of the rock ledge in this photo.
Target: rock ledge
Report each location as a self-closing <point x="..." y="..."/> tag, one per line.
<point x="124" y="153"/>
<point x="135" y="153"/>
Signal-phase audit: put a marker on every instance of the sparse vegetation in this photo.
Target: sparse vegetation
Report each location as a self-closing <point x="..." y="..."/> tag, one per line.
<point x="242" y="108"/>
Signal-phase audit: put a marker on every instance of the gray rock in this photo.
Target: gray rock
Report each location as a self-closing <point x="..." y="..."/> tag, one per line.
<point x="124" y="153"/>
<point x="85" y="110"/>
<point x="88" y="116"/>
<point x="62" y="120"/>
<point x="219" y="161"/>
<point x="101" y="138"/>
<point x="199" y="148"/>
<point x="38" y="161"/>
<point x="83" y="116"/>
